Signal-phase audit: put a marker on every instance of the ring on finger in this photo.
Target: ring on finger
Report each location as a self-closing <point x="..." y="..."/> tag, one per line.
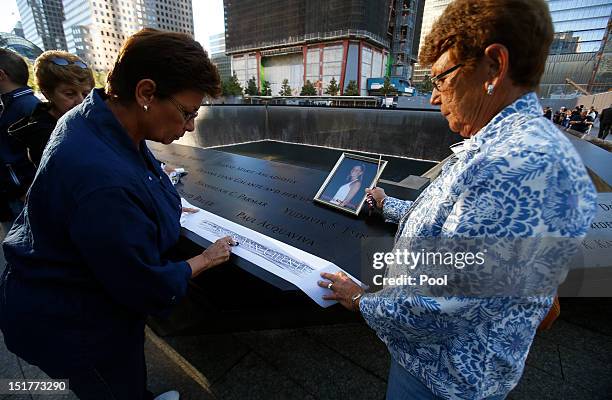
<point x="330" y="285"/>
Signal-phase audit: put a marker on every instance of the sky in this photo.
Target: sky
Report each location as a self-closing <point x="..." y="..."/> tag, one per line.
<point x="207" y="18"/>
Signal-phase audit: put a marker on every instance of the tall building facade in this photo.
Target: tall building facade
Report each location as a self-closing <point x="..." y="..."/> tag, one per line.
<point x="18" y="30"/>
<point x="405" y="28"/>
<point x="217" y="55"/>
<point x="42" y="23"/>
<point x="310" y="40"/>
<point x="95" y="29"/>
<point x="580" y="57"/>
<point x="431" y="12"/>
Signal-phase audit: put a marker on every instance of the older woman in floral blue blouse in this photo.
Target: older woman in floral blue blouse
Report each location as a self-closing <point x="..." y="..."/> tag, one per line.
<point x="517" y="176"/>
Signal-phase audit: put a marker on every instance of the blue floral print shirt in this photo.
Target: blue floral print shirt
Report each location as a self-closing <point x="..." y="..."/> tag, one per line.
<point x="518" y="177"/>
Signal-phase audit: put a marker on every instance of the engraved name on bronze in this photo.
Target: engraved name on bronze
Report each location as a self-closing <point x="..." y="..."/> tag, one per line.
<point x="276" y="229"/>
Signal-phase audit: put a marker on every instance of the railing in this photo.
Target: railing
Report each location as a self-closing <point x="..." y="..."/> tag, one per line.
<point x="311" y="37"/>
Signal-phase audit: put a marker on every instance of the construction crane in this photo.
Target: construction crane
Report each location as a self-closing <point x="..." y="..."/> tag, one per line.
<point x="600" y="55"/>
<point x="576" y="86"/>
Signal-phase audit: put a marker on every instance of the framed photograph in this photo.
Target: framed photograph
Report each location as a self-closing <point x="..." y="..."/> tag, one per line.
<point x="344" y="187"/>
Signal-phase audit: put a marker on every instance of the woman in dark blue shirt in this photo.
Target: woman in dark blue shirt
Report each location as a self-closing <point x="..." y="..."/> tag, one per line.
<point x="87" y="256"/>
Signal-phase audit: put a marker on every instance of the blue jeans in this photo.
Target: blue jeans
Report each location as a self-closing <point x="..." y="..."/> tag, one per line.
<point x="401" y="385"/>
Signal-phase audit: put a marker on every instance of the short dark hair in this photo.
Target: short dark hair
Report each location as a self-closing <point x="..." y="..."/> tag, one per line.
<point x="174" y="61"/>
<point x="14" y="66"/>
<point x="467" y="27"/>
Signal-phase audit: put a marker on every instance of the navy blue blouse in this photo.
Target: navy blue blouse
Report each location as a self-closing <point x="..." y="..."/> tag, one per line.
<point x="88" y="251"/>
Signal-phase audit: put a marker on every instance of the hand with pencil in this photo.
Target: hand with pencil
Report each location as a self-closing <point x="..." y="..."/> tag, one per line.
<point x="217" y="253"/>
<point x="376" y="197"/>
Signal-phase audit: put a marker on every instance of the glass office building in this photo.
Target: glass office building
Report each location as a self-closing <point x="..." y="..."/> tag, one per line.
<point x="19" y="45"/>
<point x="217" y="55"/>
<point x="580" y="58"/>
<point x="580" y="52"/>
<point x="95" y="30"/>
<point x="42" y="23"/>
<point x="583" y="22"/>
<point x="432" y="10"/>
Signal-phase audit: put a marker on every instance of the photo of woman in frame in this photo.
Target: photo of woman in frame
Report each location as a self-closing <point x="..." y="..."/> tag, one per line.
<point x="344" y="188"/>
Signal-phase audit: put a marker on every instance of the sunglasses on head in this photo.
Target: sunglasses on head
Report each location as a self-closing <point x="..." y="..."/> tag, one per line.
<point x="63" y="62"/>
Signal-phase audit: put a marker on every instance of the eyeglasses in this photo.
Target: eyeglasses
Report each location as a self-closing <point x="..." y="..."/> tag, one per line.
<point x="63" y="62"/>
<point x="187" y="116"/>
<point x="434" y="80"/>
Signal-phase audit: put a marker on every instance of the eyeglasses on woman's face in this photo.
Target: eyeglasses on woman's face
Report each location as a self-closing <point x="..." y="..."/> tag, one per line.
<point x="187" y="116"/>
<point x="439" y="80"/>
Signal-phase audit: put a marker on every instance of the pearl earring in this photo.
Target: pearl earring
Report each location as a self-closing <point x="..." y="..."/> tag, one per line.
<point x="145" y="107"/>
<point x="490" y="89"/>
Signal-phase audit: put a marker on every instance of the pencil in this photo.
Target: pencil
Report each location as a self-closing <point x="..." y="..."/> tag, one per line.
<point x="375" y="182"/>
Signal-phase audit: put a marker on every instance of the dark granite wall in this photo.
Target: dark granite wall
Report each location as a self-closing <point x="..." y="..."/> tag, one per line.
<point x="223" y="125"/>
<point x="419" y="134"/>
<point x="415" y="134"/>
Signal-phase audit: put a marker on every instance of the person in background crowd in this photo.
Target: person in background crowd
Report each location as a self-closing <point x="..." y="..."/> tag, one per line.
<point x="17" y="101"/>
<point x="574" y="117"/>
<point x="65" y="81"/>
<point x="548" y="113"/>
<point x="568" y="117"/>
<point x="605" y="123"/>
<point x="90" y="256"/>
<point x="485" y="72"/>
<point x="593" y="113"/>
<point x="583" y="124"/>
<point x="557" y="116"/>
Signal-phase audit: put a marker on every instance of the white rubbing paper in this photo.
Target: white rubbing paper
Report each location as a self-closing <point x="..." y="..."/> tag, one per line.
<point x="287" y="262"/>
<point x="597" y="245"/>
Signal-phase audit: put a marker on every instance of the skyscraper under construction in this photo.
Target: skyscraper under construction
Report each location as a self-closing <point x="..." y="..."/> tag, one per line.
<point x="317" y="40"/>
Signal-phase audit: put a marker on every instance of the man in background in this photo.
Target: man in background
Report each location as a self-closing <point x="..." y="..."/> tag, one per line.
<point x="548" y="113"/>
<point x="605" y="123"/>
<point x="583" y="123"/>
<point x="17" y="100"/>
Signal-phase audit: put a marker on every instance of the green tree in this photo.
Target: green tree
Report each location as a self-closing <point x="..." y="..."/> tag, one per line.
<point x="308" y="89"/>
<point x="387" y="88"/>
<point x="265" y="88"/>
<point x="31" y="78"/>
<point x="351" y="89"/>
<point x="332" y="89"/>
<point x="100" y="78"/>
<point x="231" y="87"/>
<point x="251" y="89"/>
<point x="285" y="88"/>
<point x="425" y="86"/>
